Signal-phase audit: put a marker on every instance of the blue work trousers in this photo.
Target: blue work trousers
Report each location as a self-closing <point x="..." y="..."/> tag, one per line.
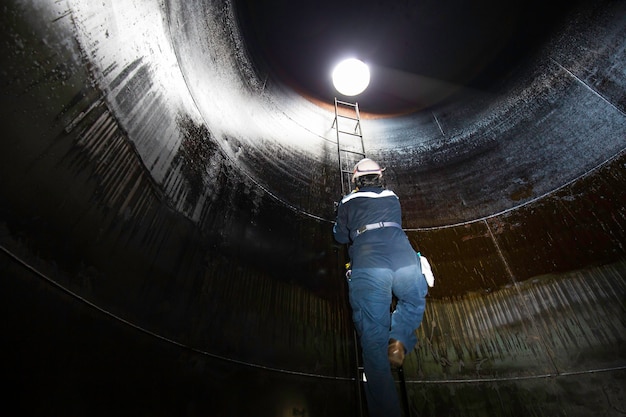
<point x="370" y="291"/>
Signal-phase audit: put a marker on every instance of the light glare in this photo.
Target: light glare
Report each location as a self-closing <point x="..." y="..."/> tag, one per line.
<point x="351" y="77"/>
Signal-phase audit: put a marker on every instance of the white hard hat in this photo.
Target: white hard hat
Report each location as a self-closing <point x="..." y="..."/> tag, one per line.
<point x="366" y="167"/>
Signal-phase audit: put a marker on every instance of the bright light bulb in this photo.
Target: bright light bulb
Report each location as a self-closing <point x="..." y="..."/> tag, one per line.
<point x="351" y="77"/>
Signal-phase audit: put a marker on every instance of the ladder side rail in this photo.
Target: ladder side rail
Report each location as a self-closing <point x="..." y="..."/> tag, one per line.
<point x="358" y="117"/>
<point x="338" y="132"/>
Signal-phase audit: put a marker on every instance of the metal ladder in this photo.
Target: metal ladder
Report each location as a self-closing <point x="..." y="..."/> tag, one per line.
<point x="350" y="148"/>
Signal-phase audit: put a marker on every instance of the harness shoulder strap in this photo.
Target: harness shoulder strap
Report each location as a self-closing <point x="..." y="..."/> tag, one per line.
<point x="368" y="194"/>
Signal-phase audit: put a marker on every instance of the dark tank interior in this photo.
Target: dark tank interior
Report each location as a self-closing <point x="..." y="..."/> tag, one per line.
<point x="169" y="171"/>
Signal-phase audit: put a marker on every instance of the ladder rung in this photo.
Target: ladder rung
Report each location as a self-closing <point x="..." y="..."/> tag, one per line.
<point x="348" y="117"/>
<point x="351" y="151"/>
<point x="345" y="103"/>
<point x="349" y="133"/>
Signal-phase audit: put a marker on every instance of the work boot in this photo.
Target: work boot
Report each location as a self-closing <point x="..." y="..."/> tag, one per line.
<point x="395" y="352"/>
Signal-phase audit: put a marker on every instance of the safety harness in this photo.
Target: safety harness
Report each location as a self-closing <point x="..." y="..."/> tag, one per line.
<point x="373" y="226"/>
<point x="370" y="194"/>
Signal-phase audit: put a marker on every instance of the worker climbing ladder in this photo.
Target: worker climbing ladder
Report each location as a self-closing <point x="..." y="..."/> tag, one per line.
<point x="350" y="148"/>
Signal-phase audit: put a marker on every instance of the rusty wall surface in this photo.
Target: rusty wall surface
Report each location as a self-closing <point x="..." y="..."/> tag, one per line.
<point x="152" y="180"/>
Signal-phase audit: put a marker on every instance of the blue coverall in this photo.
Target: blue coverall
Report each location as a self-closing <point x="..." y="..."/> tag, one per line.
<point x="383" y="262"/>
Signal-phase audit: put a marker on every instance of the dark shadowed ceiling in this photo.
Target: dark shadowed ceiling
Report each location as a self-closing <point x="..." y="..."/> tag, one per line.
<point x="461" y="43"/>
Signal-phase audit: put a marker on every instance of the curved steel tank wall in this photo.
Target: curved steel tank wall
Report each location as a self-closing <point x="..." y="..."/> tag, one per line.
<point x="166" y="209"/>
